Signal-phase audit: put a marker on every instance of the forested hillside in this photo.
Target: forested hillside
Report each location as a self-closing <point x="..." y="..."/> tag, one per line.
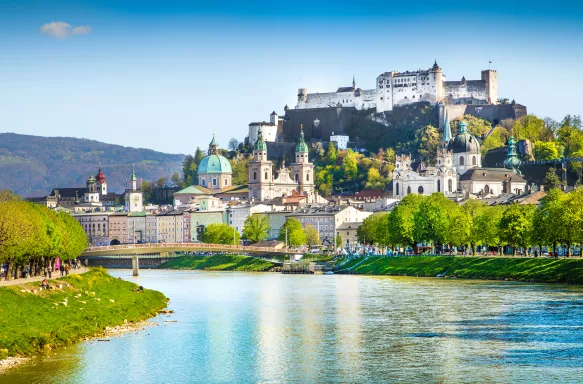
<point x="34" y="165"/>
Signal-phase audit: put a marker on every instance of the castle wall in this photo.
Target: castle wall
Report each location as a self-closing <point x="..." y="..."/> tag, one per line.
<point x="492" y="113"/>
<point x="269" y="132"/>
<point x="335" y="120"/>
<point x="472" y="89"/>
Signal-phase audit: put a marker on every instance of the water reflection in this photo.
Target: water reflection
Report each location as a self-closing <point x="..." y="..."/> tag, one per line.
<point x="238" y="327"/>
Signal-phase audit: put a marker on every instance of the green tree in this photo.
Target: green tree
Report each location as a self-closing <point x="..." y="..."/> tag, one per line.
<point x="233" y="145"/>
<point x="516" y="226"/>
<point x="295" y="234"/>
<point x="551" y="179"/>
<point x="312" y="236"/>
<point x="331" y="154"/>
<point x="548" y="221"/>
<point x="350" y="165"/>
<point x="428" y="140"/>
<point x="219" y="233"/>
<point x="240" y="167"/>
<point x="530" y="128"/>
<point x="545" y="151"/>
<point x="487" y="225"/>
<point x="339" y="241"/>
<point x="256" y="227"/>
<point x="374" y="229"/>
<point x="401" y="223"/>
<point x="431" y="221"/>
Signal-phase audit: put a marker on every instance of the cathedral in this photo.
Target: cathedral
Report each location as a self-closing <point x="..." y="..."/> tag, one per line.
<point x="458" y="169"/>
<point x="297" y="179"/>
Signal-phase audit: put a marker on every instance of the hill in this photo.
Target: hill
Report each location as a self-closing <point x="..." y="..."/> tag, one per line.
<point x="34" y="165"/>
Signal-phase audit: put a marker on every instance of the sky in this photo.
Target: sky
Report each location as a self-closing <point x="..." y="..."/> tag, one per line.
<point x="166" y="75"/>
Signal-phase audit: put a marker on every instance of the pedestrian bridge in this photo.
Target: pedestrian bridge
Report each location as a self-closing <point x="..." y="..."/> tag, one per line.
<point x="165" y="249"/>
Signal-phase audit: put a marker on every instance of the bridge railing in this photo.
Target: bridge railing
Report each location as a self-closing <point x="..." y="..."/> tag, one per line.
<point x="184" y="245"/>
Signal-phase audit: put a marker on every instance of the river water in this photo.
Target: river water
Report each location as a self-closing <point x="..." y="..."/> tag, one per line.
<point x="267" y="327"/>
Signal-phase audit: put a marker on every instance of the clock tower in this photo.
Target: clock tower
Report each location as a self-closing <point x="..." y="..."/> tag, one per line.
<point x="133" y="196"/>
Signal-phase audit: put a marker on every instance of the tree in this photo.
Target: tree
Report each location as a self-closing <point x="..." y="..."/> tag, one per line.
<point x="161" y="182"/>
<point x="176" y="180"/>
<point x="256" y="227"/>
<point x="545" y="151"/>
<point x="548" y="220"/>
<point x="431" y="222"/>
<point x="338" y="241"/>
<point x="400" y="221"/>
<point x="472" y="210"/>
<point x="487" y="224"/>
<point x="331" y="154"/>
<point x="312" y="235"/>
<point x="530" y="128"/>
<point x="496" y="139"/>
<point x="350" y="165"/>
<point x="516" y="226"/>
<point x="551" y="179"/>
<point x="240" y="167"/>
<point x="233" y="145"/>
<point x="219" y="233"/>
<point x="295" y="234"/>
<point x="428" y="140"/>
<point x="374" y="229"/>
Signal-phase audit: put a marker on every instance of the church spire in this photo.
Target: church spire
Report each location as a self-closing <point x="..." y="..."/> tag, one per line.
<point x="446" y="129"/>
<point x="353" y="81"/>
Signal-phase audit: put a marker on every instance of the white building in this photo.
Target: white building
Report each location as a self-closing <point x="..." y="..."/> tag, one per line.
<point x="340" y="140"/>
<point x="268" y="129"/>
<point x="400" y="88"/>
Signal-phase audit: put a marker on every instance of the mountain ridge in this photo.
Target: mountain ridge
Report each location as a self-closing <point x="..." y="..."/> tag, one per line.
<point x="34" y="165"/>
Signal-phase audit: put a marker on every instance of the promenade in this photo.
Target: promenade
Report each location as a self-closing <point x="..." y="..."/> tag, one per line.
<point x="26" y="280"/>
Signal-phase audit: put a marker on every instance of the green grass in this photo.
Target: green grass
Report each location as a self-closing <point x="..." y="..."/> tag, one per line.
<point x="489" y="268"/>
<point x="32" y="322"/>
<point x="220" y="263"/>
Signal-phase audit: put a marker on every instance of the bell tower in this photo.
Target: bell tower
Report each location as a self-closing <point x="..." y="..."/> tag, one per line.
<point x="260" y="171"/>
<point x="133" y="196"/>
<point x="302" y="170"/>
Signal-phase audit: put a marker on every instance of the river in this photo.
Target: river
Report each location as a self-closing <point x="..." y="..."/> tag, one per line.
<point x="267" y="327"/>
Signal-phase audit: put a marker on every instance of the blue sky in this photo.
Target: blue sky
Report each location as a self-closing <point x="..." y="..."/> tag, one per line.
<point x="166" y="75"/>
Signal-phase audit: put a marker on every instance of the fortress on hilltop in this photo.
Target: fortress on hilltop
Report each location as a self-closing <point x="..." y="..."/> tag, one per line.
<point x="401" y="88"/>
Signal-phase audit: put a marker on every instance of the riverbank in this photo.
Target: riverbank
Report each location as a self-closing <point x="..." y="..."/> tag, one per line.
<point x="79" y="307"/>
<point x="221" y="263"/>
<point x="488" y="268"/>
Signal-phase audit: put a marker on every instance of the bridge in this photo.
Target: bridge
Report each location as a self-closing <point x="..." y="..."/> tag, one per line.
<point x="169" y="248"/>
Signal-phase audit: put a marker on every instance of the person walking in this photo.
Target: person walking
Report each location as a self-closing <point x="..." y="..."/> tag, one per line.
<point x="62" y="268"/>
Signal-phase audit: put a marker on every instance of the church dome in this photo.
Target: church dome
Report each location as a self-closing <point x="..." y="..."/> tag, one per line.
<point x="302" y="146"/>
<point x="214" y="164"/>
<point x="464" y="142"/>
<point x="100" y="177"/>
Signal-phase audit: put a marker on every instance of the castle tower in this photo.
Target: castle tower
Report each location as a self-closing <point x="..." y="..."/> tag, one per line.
<point x="101" y="183"/>
<point x="92" y="193"/>
<point x="260" y="171"/>
<point x="490" y="77"/>
<point x="302" y="170"/>
<point x="436" y="76"/>
<point x="273" y="118"/>
<point x="133" y="196"/>
<point x="302" y="95"/>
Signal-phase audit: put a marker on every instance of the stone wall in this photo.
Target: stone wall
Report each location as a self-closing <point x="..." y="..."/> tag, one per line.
<point x="335" y="120"/>
<point x="492" y="113"/>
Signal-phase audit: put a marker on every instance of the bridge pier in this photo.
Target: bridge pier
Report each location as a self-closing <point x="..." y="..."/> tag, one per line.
<point x="136" y="265"/>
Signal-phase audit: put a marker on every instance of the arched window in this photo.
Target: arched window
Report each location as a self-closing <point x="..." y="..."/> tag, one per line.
<point x="408" y="190"/>
<point x="307" y="177"/>
<point x="473" y="160"/>
<point x="265" y="175"/>
<point x="487" y="189"/>
<point x="397" y="189"/>
<point x="296" y="177"/>
<point x="449" y="185"/>
<point x="254" y="175"/>
<point x="461" y="160"/>
<point x="420" y="190"/>
<point x="438" y="185"/>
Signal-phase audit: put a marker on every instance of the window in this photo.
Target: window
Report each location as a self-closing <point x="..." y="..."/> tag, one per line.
<point x="473" y="160"/>
<point x="408" y="190"/>
<point x="397" y="189"/>
<point x="254" y="175"/>
<point x="307" y="177"/>
<point x="214" y="181"/>
<point x="420" y="190"/>
<point x="487" y="189"/>
<point x="265" y="175"/>
<point x="449" y="185"/>
<point x="461" y="160"/>
<point x="438" y="185"/>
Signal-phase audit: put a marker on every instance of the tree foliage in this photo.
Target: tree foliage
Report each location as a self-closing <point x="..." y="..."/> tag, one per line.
<point x="292" y="228"/>
<point x="219" y="233"/>
<point x="256" y="227"/>
<point x="312" y="235"/>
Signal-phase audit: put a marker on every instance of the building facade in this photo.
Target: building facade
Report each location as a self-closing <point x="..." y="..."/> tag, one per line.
<point x="401" y="88"/>
<point x="268" y="129"/>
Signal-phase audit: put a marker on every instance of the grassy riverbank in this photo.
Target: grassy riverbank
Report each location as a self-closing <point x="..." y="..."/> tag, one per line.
<point x="220" y="263"/>
<point x="489" y="268"/>
<point x="32" y="320"/>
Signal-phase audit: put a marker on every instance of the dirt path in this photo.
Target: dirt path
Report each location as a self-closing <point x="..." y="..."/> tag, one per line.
<point x="40" y="278"/>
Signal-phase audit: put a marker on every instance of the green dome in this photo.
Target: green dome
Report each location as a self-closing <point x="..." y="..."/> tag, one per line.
<point x="214" y="164"/>
<point x="302" y="146"/>
<point x="91" y="179"/>
<point x="512" y="161"/>
<point x="464" y="142"/>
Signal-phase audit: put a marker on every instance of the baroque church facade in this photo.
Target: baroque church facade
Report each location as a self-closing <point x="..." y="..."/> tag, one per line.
<point x="458" y="169"/>
<point x="297" y="179"/>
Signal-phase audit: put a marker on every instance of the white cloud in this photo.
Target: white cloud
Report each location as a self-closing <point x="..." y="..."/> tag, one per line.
<point x="62" y="30"/>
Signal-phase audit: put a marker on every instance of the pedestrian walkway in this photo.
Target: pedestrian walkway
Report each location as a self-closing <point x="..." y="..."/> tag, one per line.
<point x="40" y="278"/>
